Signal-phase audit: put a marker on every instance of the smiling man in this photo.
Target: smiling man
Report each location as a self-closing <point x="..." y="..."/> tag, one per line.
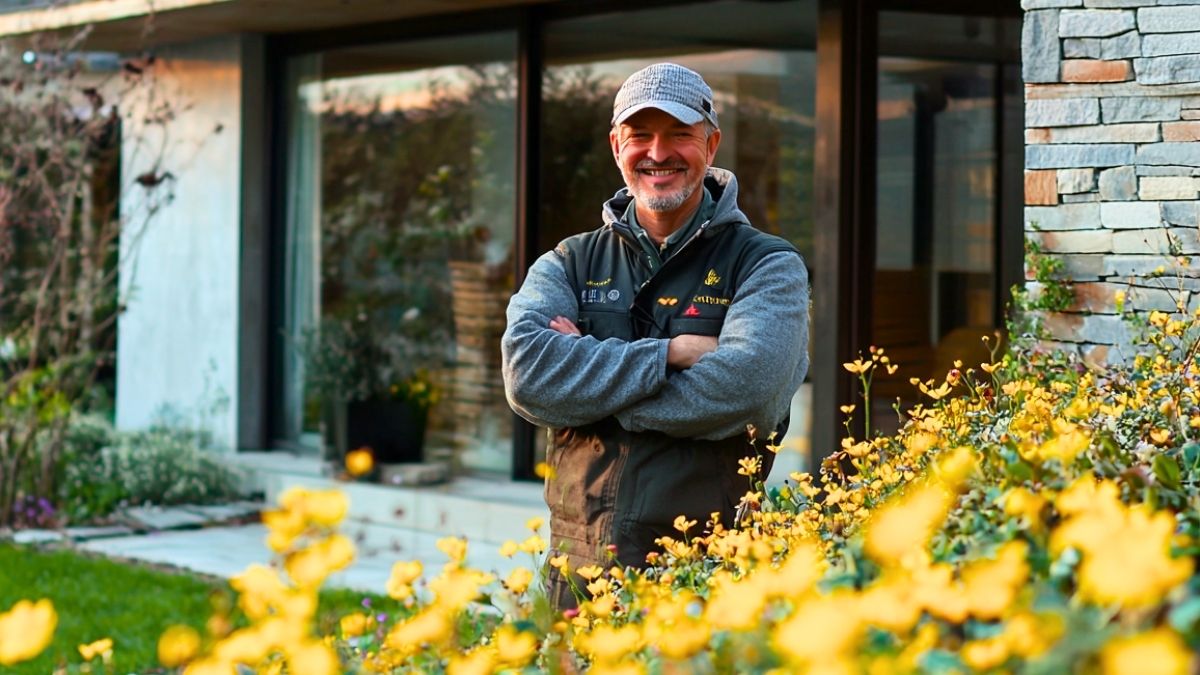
<point x="660" y="348"/>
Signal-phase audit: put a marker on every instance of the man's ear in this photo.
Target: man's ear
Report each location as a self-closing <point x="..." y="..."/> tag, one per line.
<point x="714" y="140"/>
<point x="613" y="140"/>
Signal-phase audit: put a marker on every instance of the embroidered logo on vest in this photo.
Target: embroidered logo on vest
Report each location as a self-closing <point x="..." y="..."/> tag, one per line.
<point x="668" y="302"/>
<point x="712" y="279"/>
<point x="691" y="311"/>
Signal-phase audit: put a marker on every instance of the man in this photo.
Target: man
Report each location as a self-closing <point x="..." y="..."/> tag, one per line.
<point x="659" y="345"/>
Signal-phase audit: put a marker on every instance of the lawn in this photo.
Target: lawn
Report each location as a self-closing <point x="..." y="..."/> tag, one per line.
<point x="97" y="598"/>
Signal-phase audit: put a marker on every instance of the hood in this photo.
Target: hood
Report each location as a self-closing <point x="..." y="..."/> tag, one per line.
<point x="721" y="184"/>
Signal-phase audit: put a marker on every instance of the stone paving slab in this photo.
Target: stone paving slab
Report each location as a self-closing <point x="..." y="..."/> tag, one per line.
<point x="219" y="513"/>
<point x="38" y="536"/>
<point x="163" y="518"/>
<point x="84" y="533"/>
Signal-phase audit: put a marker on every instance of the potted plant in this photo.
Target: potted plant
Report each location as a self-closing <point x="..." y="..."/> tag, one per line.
<point x="373" y="377"/>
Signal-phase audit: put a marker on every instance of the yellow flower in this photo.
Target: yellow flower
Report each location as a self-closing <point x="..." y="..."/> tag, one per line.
<point x="820" y="629"/>
<point x="748" y="466"/>
<point x="399" y="584"/>
<point x="311" y="657"/>
<point x="478" y="662"/>
<point x="846" y="409"/>
<point x="515" y="648"/>
<point x="454" y="548"/>
<point x="544" y="470"/>
<point x="608" y="645"/>
<point x="326" y="507"/>
<point x="533" y="545"/>
<point x="858" y="367"/>
<point x="683" y="524"/>
<point x="985" y="654"/>
<point x="518" y="580"/>
<point x="1021" y="503"/>
<point x="534" y="524"/>
<point x="431" y="626"/>
<point x="590" y="572"/>
<point x="353" y="625"/>
<point x="991" y="585"/>
<point x="308" y="567"/>
<point x="359" y="462"/>
<point x="178" y="645"/>
<point x="457" y="587"/>
<point x="26" y="630"/>
<point x="102" y="648"/>
<point x="1157" y="652"/>
<point x="509" y="549"/>
<point x="903" y="527"/>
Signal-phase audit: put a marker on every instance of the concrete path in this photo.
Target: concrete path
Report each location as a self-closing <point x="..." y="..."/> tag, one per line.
<point x="226" y="551"/>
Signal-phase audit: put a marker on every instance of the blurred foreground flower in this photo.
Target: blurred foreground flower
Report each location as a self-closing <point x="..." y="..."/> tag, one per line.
<point x="26" y="630"/>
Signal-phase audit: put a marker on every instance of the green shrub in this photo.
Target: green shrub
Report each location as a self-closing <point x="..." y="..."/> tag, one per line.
<point x="105" y="469"/>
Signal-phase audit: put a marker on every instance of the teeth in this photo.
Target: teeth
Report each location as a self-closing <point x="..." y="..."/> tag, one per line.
<point x="660" y="172"/>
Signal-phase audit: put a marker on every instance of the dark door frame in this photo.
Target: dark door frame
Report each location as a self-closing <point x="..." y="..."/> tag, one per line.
<point x="845" y="176"/>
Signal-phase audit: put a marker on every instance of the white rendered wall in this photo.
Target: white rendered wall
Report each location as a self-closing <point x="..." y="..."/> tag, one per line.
<point x="177" y="342"/>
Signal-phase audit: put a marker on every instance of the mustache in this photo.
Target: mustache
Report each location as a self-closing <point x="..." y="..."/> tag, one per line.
<point x="651" y="164"/>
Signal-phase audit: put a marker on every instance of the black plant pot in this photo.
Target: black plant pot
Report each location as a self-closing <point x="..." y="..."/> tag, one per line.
<point x="394" y="430"/>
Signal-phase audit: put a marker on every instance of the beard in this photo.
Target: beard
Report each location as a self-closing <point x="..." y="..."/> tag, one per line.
<point x="657" y="200"/>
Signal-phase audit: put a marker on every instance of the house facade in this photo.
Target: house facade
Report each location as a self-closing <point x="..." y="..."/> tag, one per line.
<point x="391" y="169"/>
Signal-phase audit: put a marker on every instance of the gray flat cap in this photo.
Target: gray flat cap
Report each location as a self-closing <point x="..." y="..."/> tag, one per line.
<point x="680" y="92"/>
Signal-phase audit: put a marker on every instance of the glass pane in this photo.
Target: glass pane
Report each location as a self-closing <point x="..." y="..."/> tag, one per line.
<point x="759" y="58"/>
<point x="400" y="228"/>
<point x="935" y="278"/>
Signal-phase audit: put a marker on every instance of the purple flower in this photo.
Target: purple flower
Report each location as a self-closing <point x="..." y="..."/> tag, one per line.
<point x="366" y="602"/>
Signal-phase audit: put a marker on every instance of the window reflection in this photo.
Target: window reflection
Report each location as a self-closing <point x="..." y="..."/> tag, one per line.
<point x="400" y="235"/>
<point x="938" y="120"/>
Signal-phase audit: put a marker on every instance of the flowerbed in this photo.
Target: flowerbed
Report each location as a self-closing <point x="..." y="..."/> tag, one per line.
<point x="1032" y="516"/>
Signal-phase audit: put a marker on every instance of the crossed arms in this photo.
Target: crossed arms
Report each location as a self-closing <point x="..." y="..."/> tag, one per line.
<point x="556" y="377"/>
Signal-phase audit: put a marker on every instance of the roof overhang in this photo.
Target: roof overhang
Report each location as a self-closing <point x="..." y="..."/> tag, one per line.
<point x="121" y="25"/>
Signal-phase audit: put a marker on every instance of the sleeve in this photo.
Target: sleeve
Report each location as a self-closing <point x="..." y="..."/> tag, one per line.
<point x="557" y="380"/>
<point x="760" y="361"/>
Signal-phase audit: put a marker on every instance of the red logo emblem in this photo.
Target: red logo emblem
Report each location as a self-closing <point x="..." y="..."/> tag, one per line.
<point x="691" y="311"/>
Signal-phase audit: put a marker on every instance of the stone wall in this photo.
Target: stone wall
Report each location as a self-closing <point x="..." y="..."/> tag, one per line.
<point x="1112" y="166"/>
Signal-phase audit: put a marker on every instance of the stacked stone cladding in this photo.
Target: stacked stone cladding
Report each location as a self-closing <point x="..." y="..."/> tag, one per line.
<point x="1112" y="162"/>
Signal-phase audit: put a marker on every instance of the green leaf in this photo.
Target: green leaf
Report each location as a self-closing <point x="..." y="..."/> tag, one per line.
<point x="1191" y="454"/>
<point x="1184" y="615"/>
<point x="1166" y="469"/>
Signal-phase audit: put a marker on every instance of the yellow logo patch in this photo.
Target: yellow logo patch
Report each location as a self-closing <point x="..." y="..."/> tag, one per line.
<point x="668" y="302"/>
<point x="712" y="279"/>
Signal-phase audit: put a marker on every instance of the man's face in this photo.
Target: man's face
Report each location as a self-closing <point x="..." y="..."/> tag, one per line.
<point x="662" y="159"/>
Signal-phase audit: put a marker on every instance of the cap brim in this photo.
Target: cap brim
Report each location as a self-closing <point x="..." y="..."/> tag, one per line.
<point x="677" y="110"/>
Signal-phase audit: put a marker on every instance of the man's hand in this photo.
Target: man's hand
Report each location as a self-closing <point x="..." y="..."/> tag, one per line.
<point x="684" y="351"/>
<point x="565" y="326"/>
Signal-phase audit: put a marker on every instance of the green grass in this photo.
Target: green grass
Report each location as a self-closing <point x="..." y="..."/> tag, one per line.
<point x="97" y="598"/>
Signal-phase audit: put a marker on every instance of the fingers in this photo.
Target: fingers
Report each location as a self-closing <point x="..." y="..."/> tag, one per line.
<point x="684" y="351"/>
<point x="565" y="326"/>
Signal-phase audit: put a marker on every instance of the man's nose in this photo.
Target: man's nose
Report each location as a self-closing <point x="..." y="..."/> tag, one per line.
<point x="660" y="148"/>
